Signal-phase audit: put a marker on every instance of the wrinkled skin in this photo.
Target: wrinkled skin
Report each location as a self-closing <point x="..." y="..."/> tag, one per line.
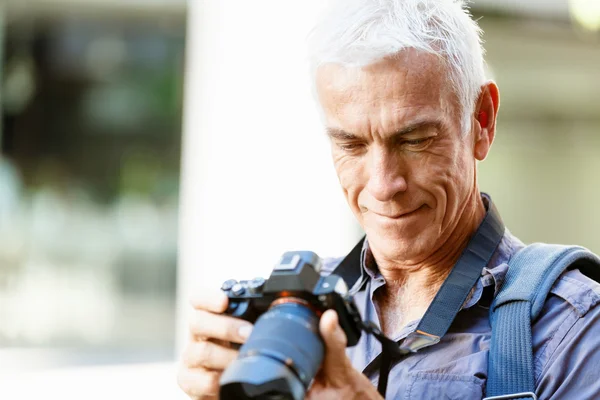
<point x="407" y="170"/>
<point x="409" y="175"/>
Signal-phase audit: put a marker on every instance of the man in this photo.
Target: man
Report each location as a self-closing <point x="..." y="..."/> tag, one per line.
<point x="409" y="113"/>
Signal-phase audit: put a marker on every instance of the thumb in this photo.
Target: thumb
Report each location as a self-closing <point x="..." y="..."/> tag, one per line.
<point x="335" y="343"/>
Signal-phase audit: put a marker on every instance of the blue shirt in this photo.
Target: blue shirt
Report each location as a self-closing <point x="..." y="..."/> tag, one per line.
<point x="566" y="339"/>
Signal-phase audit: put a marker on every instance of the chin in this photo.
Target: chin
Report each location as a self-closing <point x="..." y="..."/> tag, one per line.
<point x="395" y="246"/>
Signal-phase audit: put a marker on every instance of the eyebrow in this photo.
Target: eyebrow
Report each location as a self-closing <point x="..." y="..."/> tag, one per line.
<point x="340" y="134"/>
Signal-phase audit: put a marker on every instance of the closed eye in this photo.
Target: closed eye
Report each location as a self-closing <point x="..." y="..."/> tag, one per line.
<point x="350" y="146"/>
<point x="417" y="144"/>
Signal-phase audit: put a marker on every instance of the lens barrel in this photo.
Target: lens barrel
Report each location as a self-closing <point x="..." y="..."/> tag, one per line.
<point x="280" y="358"/>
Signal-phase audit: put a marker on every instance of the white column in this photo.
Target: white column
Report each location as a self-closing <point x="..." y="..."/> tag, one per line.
<point x="257" y="178"/>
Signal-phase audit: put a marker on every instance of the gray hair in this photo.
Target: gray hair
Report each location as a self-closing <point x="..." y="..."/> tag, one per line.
<point x="361" y="32"/>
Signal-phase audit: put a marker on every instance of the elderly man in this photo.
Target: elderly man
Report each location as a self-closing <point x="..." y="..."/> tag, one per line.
<point x="409" y="113"/>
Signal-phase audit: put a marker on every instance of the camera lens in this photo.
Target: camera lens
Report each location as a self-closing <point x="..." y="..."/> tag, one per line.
<point x="280" y="359"/>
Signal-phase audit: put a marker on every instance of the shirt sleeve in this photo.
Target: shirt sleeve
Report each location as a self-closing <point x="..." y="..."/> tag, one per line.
<point x="573" y="368"/>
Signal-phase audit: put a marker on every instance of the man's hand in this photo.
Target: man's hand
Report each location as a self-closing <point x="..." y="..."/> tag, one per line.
<point x="209" y="350"/>
<point x="209" y="353"/>
<point x="337" y="379"/>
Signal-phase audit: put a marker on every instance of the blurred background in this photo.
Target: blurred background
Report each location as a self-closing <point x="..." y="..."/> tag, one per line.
<point x="154" y="148"/>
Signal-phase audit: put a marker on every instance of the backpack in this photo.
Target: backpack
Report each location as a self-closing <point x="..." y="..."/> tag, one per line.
<point x="531" y="274"/>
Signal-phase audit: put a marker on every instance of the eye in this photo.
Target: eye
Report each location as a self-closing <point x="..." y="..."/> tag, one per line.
<point x="417" y="144"/>
<point x="351" y="147"/>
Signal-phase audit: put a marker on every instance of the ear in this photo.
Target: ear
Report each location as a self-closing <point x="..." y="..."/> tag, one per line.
<point x="484" y="120"/>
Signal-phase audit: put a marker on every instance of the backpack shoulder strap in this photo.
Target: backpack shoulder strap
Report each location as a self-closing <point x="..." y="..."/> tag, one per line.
<point x="531" y="274"/>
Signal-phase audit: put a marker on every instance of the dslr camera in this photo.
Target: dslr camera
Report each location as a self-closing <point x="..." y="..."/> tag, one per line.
<point x="285" y="350"/>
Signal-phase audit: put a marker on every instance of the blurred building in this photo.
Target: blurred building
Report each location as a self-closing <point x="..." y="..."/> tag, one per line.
<point x="543" y="170"/>
<point x="89" y="180"/>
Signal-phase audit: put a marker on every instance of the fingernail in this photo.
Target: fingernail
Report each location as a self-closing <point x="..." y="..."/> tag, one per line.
<point x="245" y="331"/>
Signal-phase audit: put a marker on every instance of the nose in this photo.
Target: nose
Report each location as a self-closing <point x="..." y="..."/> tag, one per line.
<point x="386" y="175"/>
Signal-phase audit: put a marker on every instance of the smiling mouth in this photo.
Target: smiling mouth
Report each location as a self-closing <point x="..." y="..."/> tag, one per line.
<point x="399" y="216"/>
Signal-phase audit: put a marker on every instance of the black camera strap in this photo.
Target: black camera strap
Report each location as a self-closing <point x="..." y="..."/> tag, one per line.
<point x="350" y="269"/>
<point x="446" y="304"/>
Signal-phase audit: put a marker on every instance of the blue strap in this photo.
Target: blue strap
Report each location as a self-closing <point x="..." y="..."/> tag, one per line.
<point x="531" y="274"/>
<point x="457" y="286"/>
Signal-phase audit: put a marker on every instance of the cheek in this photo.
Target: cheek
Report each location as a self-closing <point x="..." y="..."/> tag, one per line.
<point x="349" y="172"/>
<point x="458" y="174"/>
<point x="441" y="172"/>
<point x="435" y="171"/>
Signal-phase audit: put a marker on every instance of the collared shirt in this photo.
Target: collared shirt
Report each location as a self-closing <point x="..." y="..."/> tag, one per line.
<point x="566" y="338"/>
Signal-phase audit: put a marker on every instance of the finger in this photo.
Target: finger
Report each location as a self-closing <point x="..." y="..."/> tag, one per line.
<point x="215" y="301"/>
<point x="335" y="345"/>
<point x="192" y="337"/>
<point x="333" y="335"/>
<point x="213" y="326"/>
<point x="208" y="355"/>
<point x="222" y="343"/>
<point x="199" y="383"/>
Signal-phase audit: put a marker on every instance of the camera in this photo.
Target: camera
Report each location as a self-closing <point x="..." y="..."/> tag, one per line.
<point x="285" y="350"/>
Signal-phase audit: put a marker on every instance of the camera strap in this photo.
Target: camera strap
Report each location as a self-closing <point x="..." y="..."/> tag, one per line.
<point x="350" y="269"/>
<point x="446" y="304"/>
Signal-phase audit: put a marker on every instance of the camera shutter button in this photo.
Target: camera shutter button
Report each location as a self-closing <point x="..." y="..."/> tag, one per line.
<point x="238" y="289"/>
<point x="228" y="284"/>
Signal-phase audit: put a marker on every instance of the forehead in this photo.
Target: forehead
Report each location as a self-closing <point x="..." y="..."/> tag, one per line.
<point x="385" y="94"/>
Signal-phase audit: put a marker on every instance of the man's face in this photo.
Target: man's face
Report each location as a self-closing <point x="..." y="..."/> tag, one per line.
<point x="405" y="168"/>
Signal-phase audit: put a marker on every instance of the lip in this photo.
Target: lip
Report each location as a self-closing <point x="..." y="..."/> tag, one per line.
<point x="398" y="216"/>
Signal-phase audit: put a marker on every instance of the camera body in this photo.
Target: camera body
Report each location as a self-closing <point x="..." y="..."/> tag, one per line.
<point x="295" y="279"/>
<point x="285" y="350"/>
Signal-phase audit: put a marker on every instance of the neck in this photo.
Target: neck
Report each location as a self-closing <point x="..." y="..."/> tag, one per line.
<point x="410" y="287"/>
<point x="434" y="267"/>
